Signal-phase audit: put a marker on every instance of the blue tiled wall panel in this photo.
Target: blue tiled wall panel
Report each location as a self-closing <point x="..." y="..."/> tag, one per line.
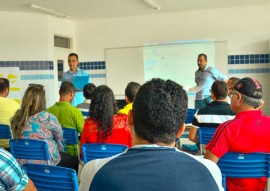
<point x="37" y="77"/>
<point x="97" y="65"/>
<point x="48" y="65"/>
<point x="28" y="65"/>
<point x="249" y="59"/>
<point x="252" y="70"/>
<point x="98" y="75"/>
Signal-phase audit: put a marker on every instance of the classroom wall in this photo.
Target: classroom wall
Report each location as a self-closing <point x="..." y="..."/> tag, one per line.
<point x="245" y="28"/>
<point x="27" y="42"/>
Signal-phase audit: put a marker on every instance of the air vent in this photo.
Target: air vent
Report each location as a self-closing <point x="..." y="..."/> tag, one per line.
<point x="62" y="42"/>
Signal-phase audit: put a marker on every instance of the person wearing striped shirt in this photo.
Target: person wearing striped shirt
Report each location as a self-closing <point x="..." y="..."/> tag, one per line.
<point x="212" y="115"/>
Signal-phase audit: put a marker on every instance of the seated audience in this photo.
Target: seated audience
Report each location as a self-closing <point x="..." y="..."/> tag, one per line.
<point x="8" y="107"/>
<point x="12" y="176"/>
<point x="231" y="82"/>
<point x="67" y="115"/>
<point x="153" y="163"/>
<point x="217" y="112"/>
<point x="88" y="90"/>
<point x="32" y="122"/>
<point x="104" y="125"/>
<point x="130" y="93"/>
<point x="248" y="132"/>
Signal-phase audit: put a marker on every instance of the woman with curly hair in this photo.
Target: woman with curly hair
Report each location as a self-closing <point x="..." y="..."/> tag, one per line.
<point x="32" y="122"/>
<point x="104" y="125"/>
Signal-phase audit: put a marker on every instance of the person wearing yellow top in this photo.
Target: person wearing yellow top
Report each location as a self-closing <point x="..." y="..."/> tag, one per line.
<point x="130" y="93"/>
<point x="8" y="107"/>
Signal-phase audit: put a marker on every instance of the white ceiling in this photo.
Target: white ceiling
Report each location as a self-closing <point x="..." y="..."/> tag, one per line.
<point x="97" y="9"/>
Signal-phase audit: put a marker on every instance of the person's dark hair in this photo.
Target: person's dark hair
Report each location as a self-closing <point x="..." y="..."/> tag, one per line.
<point x="159" y="110"/>
<point x="66" y="87"/>
<point x="233" y="81"/>
<point x="204" y="55"/>
<point x="74" y="54"/>
<point x="88" y="90"/>
<point x="102" y="108"/>
<point x="4" y="84"/>
<point x="220" y="89"/>
<point x="131" y="90"/>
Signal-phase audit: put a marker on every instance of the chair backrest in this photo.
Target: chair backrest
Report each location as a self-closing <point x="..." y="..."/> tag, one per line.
<point x="52" y="177"/>
<point x="224" y="181"/>
<point x="190" y="115"/>
<point x="239" y="165"/>
<point x="29" y="149"/>
<point x="85" y="114"/>
<point x="71" y="138"/>
<point x="5" y="132"/>
<point x="205" y="135"/>
<point x="96" y="151"/>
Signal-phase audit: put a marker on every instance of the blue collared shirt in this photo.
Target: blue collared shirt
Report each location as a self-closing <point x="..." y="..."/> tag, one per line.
<point x="69" y="76"/>
<point x="204" y="80"/>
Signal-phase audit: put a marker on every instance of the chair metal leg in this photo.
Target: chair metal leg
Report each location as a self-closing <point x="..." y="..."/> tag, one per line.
<point x="201" y="149"/>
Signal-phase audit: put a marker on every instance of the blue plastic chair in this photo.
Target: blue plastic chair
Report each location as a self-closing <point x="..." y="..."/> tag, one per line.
<point x="188" y="121"/>
<point x="190" y="115"/>
<point x="29" y="149"/>
<point x="85" y="114"/>
<point x="205" y="135"/>
<point x="224" y="181"/>
<point x="51" y="178"/>
<point x="97" y="151"/>
<point x="239" y="165"/>
<point x="5" y="132"/>
<point x="71" y="138"/>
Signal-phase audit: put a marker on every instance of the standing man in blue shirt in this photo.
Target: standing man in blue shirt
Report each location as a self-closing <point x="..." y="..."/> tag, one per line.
<point x="204" y="78"/>
<point x="74" y="70"/>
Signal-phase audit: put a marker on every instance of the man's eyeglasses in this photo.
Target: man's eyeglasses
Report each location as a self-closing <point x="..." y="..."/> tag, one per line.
<point x="231" y="94"/>
<point x="36" y="85"/>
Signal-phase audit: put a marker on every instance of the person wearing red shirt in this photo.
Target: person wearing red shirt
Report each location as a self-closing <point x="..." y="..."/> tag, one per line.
<point x="104" y="125"/>
<point x="248" y="132"/>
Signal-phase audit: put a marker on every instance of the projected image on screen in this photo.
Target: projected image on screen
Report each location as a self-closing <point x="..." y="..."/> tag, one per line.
<point x="177" y="62"/>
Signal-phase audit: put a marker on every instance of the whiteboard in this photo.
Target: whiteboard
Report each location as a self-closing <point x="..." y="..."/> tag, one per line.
<point x="177" y="62"/>
<point x="124" y="65"/>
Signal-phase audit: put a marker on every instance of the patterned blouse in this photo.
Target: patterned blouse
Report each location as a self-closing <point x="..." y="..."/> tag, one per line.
<point x="44" y="126"/>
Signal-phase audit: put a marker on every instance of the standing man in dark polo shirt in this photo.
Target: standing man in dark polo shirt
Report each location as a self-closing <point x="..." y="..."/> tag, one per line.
<point x="204" y="78"/>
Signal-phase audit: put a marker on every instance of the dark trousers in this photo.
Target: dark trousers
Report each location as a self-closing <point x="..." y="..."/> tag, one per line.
<point x="69" y="161"/>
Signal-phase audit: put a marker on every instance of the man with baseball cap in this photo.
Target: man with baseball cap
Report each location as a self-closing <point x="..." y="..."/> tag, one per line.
<point x="248" y="132"/>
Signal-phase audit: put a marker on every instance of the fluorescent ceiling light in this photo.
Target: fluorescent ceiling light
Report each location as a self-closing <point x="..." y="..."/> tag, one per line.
<point x="49" y="11"/>
<point x="153" y="3"/>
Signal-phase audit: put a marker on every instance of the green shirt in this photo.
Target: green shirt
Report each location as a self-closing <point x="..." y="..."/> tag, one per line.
<point x="69" y="117"/>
